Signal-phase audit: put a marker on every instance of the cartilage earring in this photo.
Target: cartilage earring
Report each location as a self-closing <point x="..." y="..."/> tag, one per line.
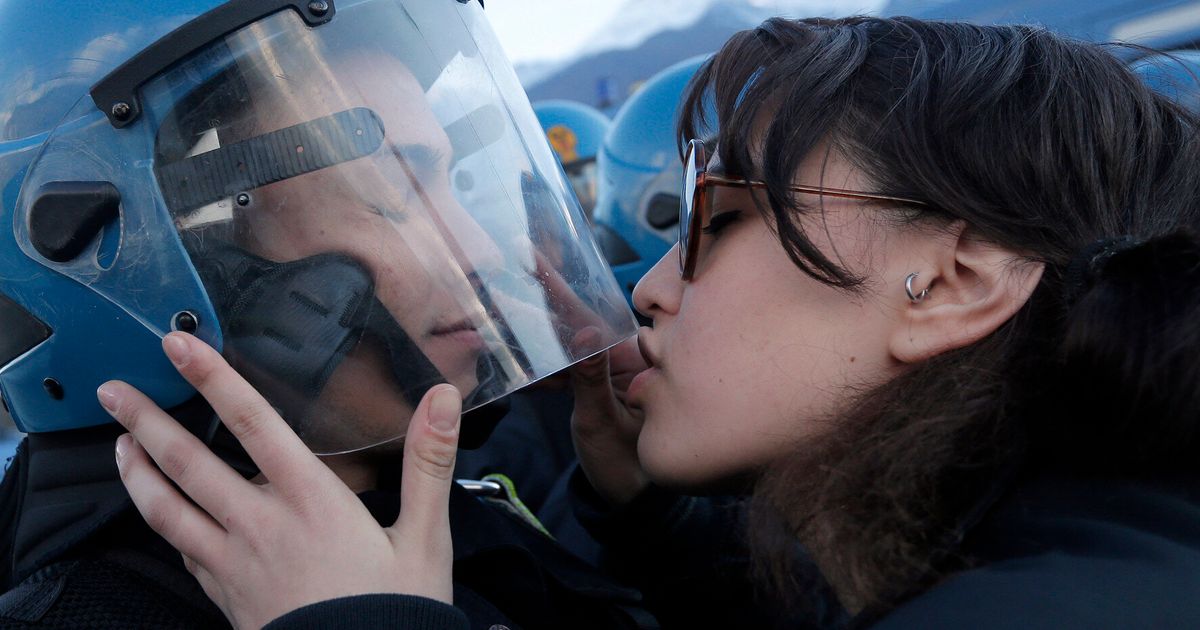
<point x="908" y="288"/>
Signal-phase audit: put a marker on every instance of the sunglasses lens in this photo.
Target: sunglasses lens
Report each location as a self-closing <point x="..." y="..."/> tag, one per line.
<point x="687" y="200"/>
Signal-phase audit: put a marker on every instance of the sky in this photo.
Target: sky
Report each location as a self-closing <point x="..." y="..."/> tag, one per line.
<point x="550" y="30"/>
<point x="543" y="30"/>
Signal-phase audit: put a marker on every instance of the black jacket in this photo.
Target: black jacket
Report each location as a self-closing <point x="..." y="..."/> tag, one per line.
<point x="1051" y="552"/>
<point x="1069" y="553"/>
<point x="1054" y="552"/>
<point x="90" y="561"/>
<point x="685" y="553"/>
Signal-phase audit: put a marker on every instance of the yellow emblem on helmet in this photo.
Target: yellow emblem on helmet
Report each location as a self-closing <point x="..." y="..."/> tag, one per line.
<point x="565" y="143"/>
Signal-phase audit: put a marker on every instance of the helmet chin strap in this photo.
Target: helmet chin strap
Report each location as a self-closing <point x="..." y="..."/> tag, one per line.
<point x="287" y="326"/>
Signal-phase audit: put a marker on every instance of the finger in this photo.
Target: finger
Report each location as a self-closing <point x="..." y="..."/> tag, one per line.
<point x="625" y="361"/>
<point x="212" y="588"/>
<point x="430" y="447"/>
<point x="203" y="576"/>
<point x="180" y="456"/>
<point x="176" y="519"/>
<point x="595" y="402"/>
<point x="567" y="305"/>
<point x="270" y="442"/>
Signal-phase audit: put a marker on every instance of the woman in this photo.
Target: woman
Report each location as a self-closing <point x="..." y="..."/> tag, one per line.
<point x="936" y="297"/>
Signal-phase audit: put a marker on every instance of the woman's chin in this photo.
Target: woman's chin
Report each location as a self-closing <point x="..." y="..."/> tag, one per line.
<point x="688" y="472"/>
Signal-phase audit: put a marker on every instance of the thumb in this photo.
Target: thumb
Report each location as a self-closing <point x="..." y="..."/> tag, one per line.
<point x="430" y="447"/>
<point x="595" y="402"/>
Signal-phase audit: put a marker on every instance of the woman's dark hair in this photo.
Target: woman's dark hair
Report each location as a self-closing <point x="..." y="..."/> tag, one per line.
<point x="1046" y="145"/>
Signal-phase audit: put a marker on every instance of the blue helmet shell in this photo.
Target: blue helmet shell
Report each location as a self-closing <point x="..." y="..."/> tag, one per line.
<point x="576" y="131"/>
<point x="56" y="51"/>
<point x="636" y="215"/>
<point x="1175" y="74"/>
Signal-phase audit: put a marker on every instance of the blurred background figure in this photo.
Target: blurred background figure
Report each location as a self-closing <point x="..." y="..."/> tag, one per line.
<point x="9" y="437"/>
<point x="1159" y="24"/>
<point x="1176" y="75"/>
<point x="1170" y="26"/>
<point x="637" y="214"/>
<point x="575" y="132"/>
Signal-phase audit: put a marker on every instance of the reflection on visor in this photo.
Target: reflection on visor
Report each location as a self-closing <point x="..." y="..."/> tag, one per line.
<point x="355" y="212"/>
<point x="271" y="157"/>
<point x="288" y="326"/>
<point x="475" y="131"/>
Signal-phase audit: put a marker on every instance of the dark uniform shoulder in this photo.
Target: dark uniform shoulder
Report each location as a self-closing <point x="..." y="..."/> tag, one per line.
<point x="110" y="591"/>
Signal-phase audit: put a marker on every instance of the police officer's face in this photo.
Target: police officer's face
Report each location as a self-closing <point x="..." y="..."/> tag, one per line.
<point x="394" y="213"/>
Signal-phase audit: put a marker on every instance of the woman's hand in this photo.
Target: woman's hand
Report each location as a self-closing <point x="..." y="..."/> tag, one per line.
<point x="261" y="551"/>
<point x="604" y="429"/>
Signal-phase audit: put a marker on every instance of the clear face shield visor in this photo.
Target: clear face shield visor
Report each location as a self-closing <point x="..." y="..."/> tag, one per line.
<point x="352" y="213"/>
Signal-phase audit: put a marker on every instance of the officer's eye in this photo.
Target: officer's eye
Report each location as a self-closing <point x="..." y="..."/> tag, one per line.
<point x="391" y="214"/>
<point x="422" y="160"/>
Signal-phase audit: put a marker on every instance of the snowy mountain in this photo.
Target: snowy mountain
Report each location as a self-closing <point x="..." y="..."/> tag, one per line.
<point x="648" y="35"/>
<point x="640" y="20"/>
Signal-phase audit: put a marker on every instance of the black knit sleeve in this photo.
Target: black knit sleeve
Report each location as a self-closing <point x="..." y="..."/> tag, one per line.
<point x="374" y="611"/>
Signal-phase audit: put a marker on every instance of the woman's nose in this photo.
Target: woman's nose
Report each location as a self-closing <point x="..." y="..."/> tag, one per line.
<point x="660" y="289"/>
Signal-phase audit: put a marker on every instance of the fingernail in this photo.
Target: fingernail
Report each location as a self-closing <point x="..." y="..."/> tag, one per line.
<point x="444" y="409"/>
<point x="123" y="446"/>
<point x="593" y="361"/>
<point x="587" y="338"/>
<point x="107" y="395"/>
<point x="177" y="350"/>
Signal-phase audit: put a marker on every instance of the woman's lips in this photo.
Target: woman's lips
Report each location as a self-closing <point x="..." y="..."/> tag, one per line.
<point x="652" y="370"/>
<point x="643" y="344"/>
<point x="637" y="385"/>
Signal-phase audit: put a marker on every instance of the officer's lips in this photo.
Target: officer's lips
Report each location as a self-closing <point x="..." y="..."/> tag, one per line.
<point x="461" y="332"/>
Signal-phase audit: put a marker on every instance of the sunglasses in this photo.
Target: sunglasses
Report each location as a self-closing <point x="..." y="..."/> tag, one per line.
<point x="696" y="184"/>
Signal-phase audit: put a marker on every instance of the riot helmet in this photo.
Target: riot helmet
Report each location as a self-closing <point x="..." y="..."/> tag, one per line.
<point x="639" y="169"/>
<point x="575" y="132"/>
<point x="1176" y="74"/>
<point x="278" y="178"/>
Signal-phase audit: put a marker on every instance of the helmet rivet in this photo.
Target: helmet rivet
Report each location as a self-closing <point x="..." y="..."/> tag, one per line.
<point x="243" y="199"/>
<point x="318" y="7"/>
<point x="185" y="321"/>
<point x="54" y="388"/>
<point x="121" y="111"/>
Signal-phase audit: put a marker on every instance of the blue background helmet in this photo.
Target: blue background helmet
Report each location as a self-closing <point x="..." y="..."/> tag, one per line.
<point x="1175" y="74"/>
<point x="282" y="179"/>
<point x="637" y="212"/>
<point x="575" y="132"/>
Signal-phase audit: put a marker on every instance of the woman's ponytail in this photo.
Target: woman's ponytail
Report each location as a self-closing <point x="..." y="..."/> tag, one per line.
<point x="1130" y="357"/>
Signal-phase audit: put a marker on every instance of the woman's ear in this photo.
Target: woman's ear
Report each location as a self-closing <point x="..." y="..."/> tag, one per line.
<point x="974" y="286"/>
